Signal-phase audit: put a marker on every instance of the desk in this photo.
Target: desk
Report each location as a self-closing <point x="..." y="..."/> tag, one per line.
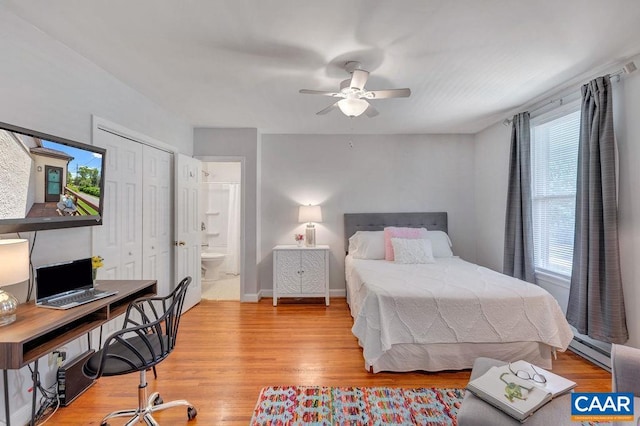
<point x="39" y="331"/>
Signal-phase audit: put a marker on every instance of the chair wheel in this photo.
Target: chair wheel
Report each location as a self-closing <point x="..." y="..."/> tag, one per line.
<point x="192" y="412"/>
<point x="158" y="400"/>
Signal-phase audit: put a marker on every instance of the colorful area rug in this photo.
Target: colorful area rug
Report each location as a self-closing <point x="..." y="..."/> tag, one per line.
<point x="298" y="405"/>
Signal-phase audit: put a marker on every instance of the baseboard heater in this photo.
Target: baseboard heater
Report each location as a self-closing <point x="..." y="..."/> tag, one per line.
<point x="71" y="381"/>
<point x="597" y="355"/>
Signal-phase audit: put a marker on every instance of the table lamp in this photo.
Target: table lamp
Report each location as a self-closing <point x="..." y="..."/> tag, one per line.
<point x="310" y="214"/>
<point x="14" y="269"/>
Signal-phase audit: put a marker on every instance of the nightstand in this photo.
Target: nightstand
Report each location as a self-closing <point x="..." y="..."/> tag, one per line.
<point x="300" y="272"/>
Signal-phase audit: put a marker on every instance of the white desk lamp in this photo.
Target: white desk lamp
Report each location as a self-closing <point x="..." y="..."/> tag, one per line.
<point x="310" y="214"/>
<point x="14" y="269"/>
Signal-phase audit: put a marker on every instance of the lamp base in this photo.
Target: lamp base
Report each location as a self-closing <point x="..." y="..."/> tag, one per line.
<point x="310" y="236"/>
<point x="8" y="308"/>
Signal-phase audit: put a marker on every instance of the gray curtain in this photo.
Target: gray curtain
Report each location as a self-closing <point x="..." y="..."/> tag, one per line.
<point x="518" y="234"/>
<point x="596" y="303"/>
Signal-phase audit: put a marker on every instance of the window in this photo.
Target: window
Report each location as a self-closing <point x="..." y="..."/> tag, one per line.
<point x="554" y="165"/>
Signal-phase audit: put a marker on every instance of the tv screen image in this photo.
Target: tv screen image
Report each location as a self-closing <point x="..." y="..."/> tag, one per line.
<point x="48" y="182"/>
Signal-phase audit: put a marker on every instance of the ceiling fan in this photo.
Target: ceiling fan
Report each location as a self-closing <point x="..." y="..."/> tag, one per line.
<point x="354" y="96"/>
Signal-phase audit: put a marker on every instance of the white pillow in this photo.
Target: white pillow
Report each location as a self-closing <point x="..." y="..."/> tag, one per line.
<point x="412" y="250"/>
<point x="367" y="245"/>
<point x="440" y="243"/>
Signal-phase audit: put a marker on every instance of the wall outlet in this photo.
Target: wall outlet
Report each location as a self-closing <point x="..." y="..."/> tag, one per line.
<point x="53" y="359"/>
<point x="56" y="358"/>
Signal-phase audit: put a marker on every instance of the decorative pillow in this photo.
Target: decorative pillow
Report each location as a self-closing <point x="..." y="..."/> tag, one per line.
<point x="395" y="232"/>
<point x="367" y="245"/>
<point x="440" y="243"/>
<point x="412" y="250"/>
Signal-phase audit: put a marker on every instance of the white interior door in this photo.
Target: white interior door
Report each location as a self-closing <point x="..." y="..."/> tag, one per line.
<point x="187" y="226"/>
<point x="157" y="215"/>
<point x="118" y="239"/>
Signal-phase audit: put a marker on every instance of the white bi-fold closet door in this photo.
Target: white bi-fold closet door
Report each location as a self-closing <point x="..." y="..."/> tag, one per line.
<point x="135" y="238"/>
<point x="157" y="208"/>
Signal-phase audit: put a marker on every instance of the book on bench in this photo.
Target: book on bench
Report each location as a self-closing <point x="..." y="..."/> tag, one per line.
<point x="519" y="388"/>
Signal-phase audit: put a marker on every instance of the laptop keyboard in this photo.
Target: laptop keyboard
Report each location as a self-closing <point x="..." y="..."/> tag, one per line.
<point x="85" y="296"/>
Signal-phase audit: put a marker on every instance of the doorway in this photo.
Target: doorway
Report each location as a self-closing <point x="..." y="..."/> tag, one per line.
<point x="221" y="226"/>
<point x="53" y="183"/>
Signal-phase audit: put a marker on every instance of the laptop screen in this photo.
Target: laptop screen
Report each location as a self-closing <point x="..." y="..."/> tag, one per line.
<point x="63" y="277"/>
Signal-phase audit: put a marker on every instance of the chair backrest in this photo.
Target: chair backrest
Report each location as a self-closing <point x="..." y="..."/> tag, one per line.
<point x="148" y="335"/>
<point x="160" y="314"/>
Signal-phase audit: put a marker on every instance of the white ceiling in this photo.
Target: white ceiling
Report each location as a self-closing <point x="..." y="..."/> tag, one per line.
<point x="240" y="63"/>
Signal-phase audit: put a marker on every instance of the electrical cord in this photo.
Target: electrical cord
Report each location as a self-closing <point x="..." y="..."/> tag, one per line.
<point x="31" y="273"/>
<point x="49" y="401"/>
<point x="53" y="412"/>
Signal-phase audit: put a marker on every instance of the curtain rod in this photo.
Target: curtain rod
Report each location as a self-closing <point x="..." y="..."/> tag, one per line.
<point x="627" y="69"/>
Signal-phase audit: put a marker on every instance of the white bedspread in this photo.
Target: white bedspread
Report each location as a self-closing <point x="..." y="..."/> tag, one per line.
<point x="450" y="301"/>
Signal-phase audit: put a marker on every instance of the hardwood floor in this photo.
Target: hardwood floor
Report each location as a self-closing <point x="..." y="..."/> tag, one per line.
<point x="227" y="351"/>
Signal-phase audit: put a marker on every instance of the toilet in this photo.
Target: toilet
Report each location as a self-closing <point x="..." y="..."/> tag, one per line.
<point x="211" y="263"/>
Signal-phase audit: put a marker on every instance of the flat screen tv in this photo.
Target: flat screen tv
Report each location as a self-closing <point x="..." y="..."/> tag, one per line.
<point x="48" y="182"/>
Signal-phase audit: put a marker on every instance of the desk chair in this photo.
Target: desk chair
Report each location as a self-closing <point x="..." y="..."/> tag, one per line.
<point x="148" y="336"/>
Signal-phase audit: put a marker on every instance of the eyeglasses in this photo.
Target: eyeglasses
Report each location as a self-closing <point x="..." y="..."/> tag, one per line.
<point x="536" y="377"/>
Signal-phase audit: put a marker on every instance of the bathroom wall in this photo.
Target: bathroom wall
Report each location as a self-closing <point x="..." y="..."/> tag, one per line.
<point x="215" y="206"/>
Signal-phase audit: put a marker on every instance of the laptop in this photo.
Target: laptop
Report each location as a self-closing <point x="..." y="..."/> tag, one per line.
<point x="68" y="284"/>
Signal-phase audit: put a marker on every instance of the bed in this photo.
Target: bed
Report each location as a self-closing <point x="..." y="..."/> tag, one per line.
<point x="443" y="314"/>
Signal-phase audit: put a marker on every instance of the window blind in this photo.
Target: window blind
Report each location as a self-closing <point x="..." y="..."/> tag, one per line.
<point x="554" y="163"/>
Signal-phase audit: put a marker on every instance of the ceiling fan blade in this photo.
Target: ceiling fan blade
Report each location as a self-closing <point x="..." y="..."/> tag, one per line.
<point x="328" y="109"/>
<point x="371" y="111"/>
<point x="320" y="92"/>
<point x="389" y="93"/>
<point x="359" y="79"/>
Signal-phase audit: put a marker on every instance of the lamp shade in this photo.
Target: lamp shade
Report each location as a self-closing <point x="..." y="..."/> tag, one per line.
<point x="353" y="107"/>
<point x="14" y="261"/>
<point x="310" y="214"/>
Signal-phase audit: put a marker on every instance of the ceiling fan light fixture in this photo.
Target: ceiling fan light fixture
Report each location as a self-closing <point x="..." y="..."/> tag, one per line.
<point x="353" y="107"/>
<point x="354" y="96"/>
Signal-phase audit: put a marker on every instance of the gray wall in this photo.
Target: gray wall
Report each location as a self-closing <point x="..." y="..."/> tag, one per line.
<point x="491" y="175"/>
<point x="235" y="143"/>
<point x="627" y="128"/>
<point x="363" y="173"/>
<point x="47" y="87"/>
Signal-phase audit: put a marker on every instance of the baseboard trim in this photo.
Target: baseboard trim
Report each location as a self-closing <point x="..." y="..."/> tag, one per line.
<point x="334" y="292"/>
<point x="251" y="298"/>
<point x="592" y="353"/>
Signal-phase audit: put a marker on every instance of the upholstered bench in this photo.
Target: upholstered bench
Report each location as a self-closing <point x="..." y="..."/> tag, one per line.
<point x="476" y="412"/>
<point x="625" y="376"/>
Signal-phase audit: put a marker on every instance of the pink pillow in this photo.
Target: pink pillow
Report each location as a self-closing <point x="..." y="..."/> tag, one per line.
<point x="393" y="232"/>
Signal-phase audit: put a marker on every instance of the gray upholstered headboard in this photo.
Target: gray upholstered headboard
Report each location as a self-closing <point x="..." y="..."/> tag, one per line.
<point x="353" y="222"/>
